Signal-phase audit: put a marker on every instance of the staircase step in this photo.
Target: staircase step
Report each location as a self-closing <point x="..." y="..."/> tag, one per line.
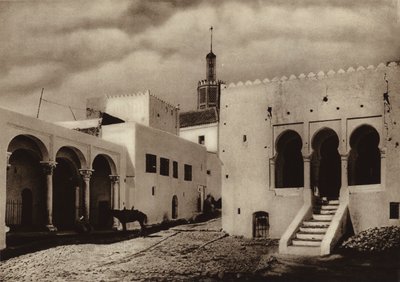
<point x="316" y="223"/>
<point x="304" y="250"/>
<point x="314" y="229"/>
<point x="333" y="202"/>
<point x="328" y="207"/>
<point x="310" y="243"/>
<point x="326" y="212"/>
<point x="322" y="216"/>
<point x="310" y="236"/>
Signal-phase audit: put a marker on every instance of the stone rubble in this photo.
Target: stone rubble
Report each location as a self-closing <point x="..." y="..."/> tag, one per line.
<point x="374" y="240"/>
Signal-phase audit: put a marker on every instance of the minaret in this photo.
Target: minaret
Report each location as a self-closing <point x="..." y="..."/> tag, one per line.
<point x="208" y="90"/>
<point x="211" y="60"/>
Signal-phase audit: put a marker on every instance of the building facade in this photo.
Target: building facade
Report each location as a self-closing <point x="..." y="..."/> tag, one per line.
<point x="166" y="173"/>
<point x="330" y="136"/>
<point x="52" y="176"/>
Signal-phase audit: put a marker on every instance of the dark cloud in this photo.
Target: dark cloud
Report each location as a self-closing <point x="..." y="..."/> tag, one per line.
<point x="84" y="48"/>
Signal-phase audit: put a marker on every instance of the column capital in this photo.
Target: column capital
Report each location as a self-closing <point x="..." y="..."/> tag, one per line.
<point x="383" y="152"/>
<point x="114" y="178"/>
<point x="86" y="173"/>
<point x="8" y="159"/>
<point x="307" y="157"/>
<point x="344" y="156"/>
<point x="48" y="166"/>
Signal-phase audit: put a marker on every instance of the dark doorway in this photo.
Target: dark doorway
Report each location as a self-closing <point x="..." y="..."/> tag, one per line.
<point x="289" y="166"/>
<point x="174" y="207"/>
<point x="326" y="164"/>
<point x="65" y="181"/>
<point x="260" y="224"/>
<point x="364" y="165"/>
<point x="100" y="194"/>
<point x="27" y="207"/>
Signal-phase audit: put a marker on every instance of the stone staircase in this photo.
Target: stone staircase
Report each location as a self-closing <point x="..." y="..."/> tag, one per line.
<point x="312" y="230"/>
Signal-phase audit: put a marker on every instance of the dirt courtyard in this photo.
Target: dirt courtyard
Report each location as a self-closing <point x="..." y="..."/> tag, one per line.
<point x="197" y="252"/>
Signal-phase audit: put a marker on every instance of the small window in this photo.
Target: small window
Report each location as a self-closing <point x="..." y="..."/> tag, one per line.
<point x="244" y="138"/>
<point x="153" y="190"/>
<point x="201" y="139"/>
<point x="164" y="166"/>
<point x="208" y="172"/>
<point x="238" y="210"/>
<point x="151" y="163"/>
<point x="394" y="210"/>
<point x="188" y="172"/>
<point x="175" y="169"/>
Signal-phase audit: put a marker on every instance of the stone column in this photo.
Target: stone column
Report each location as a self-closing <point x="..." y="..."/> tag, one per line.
<point x="77" y="203"/>
<point x="307" y="192"/>
<point x="48" y="167"/>
<point x="115" y="196"/>
<point x="86" y="174"/>
<point x="272" y="173"/>
<point x="344" y="189"/>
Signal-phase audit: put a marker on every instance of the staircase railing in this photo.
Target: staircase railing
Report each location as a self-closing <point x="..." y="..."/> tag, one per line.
<point x="336" y="229"/>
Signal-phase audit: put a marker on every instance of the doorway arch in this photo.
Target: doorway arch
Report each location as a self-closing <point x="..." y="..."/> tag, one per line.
<point x="326" y="164"/>
<point x="174" y="207"/>
<point x="25" y="184"/>
<point x="101" y="193"/>
<point x="66" y="182"/>
<point x="289" y="165"/>
<point x="364" y="158"/>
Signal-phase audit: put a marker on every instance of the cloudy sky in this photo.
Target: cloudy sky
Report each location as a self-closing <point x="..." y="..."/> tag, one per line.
<point x="79" y="49"/>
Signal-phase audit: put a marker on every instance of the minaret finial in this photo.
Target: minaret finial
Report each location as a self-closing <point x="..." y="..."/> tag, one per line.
<point x="211" y="30"/>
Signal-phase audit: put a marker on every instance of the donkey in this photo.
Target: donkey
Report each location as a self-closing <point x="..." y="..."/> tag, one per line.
<point x="124" y="216"/>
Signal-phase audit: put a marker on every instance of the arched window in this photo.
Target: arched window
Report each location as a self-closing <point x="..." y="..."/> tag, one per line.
<point x="289" y="166"/>
<point x="364" y="164"/>
<point x="325" y="164"/>
<point x="260" y="224"/>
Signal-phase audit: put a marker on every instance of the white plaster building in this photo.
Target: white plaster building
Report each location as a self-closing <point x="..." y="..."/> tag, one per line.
<point x="52" y="175"/>
<point x="332" y="135"/>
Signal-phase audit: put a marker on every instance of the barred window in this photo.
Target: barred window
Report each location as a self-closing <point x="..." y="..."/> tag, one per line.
<point x="151" y="163"/>
<point x="212" y="95"/>
<point x="188" y="172"/>
<point x="175" y="169"/>
<point x="202" y="96"/>
<point x="164" y="166"/>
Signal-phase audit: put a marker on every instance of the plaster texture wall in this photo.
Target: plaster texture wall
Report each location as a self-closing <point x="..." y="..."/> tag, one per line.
<point x="143" y="108"/>
<point x="213" y="175"/>
<point x="141" y="140"/>
<point x="209" y="131"/>
<point x="342" y="101"/>
<point x="47" y="139"/>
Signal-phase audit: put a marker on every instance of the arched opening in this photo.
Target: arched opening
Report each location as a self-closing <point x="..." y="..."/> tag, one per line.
<point x="67" y="189"/>
<point x="260" y="224"/>
<point x="364" y="164"/>
<point x="101" y="193"/>
<point x="289" y="166"/>
<point x="174" y="207"/>
<point x="27" y="203"/>
<point x="26" y="184"/>
<point x="326" y="164"/>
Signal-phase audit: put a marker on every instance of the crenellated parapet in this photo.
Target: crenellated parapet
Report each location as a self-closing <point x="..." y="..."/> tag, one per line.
<point x="144" y="93"/>
<point x="315" y="76"/>
<point x="210" y="82"/>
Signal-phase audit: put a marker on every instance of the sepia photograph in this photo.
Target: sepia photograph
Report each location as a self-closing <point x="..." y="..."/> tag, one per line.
<point x="200" y="140"/>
